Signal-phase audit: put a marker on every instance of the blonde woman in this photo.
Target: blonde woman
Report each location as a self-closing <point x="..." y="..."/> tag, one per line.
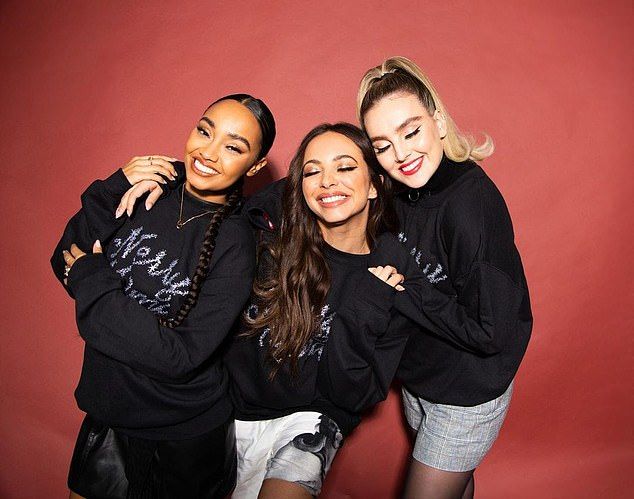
<point x="474" y="311"/>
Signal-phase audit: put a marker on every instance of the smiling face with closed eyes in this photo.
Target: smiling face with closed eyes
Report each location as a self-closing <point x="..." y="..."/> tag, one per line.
<point x="336" y="183"/>
<point x="407" y="140"/>
<point x="224" y="146"/>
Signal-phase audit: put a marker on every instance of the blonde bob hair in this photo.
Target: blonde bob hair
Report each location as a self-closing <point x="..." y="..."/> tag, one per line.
<point x="399" y="74"/>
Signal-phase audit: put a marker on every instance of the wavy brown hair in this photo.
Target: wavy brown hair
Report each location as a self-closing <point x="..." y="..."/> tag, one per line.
<point x="290" y="297"/>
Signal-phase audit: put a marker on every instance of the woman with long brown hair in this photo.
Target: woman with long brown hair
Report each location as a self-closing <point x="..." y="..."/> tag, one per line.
<point x="322" y="337"/>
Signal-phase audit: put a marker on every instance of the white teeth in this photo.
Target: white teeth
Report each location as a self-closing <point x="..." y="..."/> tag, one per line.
<point x="204" y="169"/>
<point x="332" y="199"/>
<point x="411" y="166"/>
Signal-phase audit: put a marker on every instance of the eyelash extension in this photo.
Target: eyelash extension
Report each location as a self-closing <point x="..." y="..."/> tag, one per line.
<point x="204" y="132"/>
<point x="379" y="150"/>
<point x="412" y="134"/>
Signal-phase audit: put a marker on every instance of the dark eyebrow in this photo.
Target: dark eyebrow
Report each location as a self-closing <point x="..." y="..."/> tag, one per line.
<point x="336" y="158"/>
<point x="208" y="121"/>
<point x="234" y="136"/>
<point x="315" y="161"/>
<point x="399" y="128"/>
<point x="342" y="156"/>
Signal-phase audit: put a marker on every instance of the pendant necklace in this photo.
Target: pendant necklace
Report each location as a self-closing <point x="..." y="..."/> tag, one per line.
<point x="181" y="222"/>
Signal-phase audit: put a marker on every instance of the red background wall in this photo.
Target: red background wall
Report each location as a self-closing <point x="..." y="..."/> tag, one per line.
<point x="86" y="85"/>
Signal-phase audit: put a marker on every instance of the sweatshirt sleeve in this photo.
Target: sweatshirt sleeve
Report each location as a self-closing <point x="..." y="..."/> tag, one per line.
<point x="264" y="209"/>
<point x="95" y="220"/>
<point x="368" y="336"/>
<point x="108" y="192"/>
<point x="491" y="304"/>
<point x="100" y="201"/>
<point x="112" y="323"/>
<point x="354" y="376"/>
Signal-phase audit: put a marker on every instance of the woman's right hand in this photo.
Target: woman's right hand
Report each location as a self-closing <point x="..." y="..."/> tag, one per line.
<point x="129" y="199"/>
<point x="389" y="275"/>
<point x="142" y="168"/>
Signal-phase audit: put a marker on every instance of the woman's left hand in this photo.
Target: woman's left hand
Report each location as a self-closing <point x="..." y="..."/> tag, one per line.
<point x="389" y="275"/>
<point x="129" y="199"/>
<point x="74" y="254"/>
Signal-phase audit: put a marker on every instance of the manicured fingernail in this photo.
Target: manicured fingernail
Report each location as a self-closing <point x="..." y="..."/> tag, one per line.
<point x="119" y="212"/>
<point x="98" y="243"/>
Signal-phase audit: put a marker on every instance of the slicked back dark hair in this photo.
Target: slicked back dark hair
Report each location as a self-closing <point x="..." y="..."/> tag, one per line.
<point x="267" y="127"/>
<point x="262" y="113"/>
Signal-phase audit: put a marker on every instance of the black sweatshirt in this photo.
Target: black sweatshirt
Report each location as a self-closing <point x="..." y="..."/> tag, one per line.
<point x="475" y="310"/>
<point x="139" y="377"/>
<point x="349" y="364"/>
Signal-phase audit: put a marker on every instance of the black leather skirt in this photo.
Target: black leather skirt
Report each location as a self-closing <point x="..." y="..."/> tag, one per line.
<point x="108" y="464"/>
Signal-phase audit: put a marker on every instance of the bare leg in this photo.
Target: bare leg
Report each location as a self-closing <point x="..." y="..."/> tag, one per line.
<point x="274" y="488"/>
<point x="74" y="495"/>
<point x="425" y="482"/>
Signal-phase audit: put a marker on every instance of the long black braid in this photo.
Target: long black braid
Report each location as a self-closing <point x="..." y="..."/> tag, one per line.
<point x="204" y="260"/>
<point x="267" y="126"/>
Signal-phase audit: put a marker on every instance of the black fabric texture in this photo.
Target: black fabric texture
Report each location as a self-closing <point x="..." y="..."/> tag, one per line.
<point x="138" y="377"/>
<point x="350" y="362"/>
<point x="473" y="304"/>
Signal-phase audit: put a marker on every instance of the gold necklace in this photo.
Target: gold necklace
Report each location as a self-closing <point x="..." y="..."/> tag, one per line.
<point x="181" y="223"/>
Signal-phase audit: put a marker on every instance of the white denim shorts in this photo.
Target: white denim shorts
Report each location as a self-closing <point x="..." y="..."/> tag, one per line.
<point x="452" y="437"/>
<point x="297" y="448"/>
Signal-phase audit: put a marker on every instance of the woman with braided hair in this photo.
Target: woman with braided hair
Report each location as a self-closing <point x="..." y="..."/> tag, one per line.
<point x="154" y="301"/>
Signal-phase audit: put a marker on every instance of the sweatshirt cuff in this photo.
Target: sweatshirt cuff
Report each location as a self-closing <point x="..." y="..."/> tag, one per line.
<point x="374" y="292"/>
<point x="172" y="185"/>
<point x="117" y="183"/>
<point x="85" y="267"/>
